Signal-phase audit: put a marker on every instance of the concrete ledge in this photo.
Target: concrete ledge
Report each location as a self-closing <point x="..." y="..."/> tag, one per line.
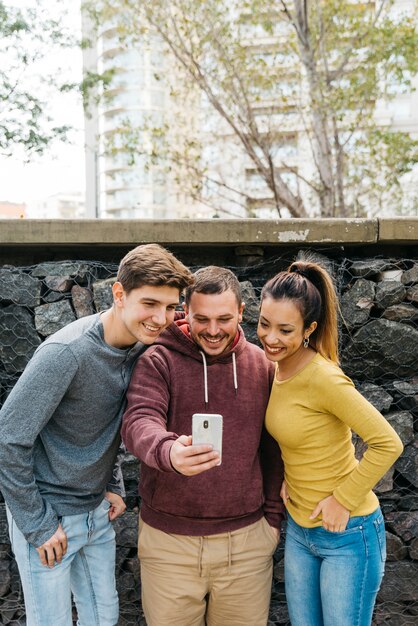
<point x="189" y="232"/>
<point x="401" y="230"/>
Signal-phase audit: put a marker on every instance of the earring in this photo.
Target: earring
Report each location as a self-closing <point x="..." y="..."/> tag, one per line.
<point x="306" y="341"/>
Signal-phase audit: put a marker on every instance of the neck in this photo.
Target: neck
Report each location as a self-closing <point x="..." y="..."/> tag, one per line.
<point x="291" y="366"/>
<point x="113" y="331"/>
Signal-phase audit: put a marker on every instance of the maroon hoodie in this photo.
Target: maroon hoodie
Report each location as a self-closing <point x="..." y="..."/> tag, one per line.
<point x="174" y="379"/>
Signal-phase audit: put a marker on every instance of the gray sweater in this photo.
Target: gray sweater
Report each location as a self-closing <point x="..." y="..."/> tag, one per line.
<point x="59" y="427"/>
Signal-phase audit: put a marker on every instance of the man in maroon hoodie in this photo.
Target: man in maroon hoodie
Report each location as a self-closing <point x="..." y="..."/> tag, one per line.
<point x="207" y="530"/>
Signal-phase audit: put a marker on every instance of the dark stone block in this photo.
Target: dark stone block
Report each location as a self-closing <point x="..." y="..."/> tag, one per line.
<point x="412" y="294"/>
<point x="413" y="549"/>
<point x="357" y="302"/>
<point x="252" y="303"/>
<point x="388" y="293"/>
<point x="396" y="549"/>
<point x="126" y="529"/>
<point x="368" y="267"/>
<point x="82" y="301"/>
<point x="102" y="293"/>
<point x="401" y="313"/>
<point x="19" y="288"/>
<point x="18" y="338"/>
<point x="407" y="464"/>
<point x="410" y="277"/>
<point x="404" y="524"/>
<point x="381" y="349"/>
<point x="61" y="284"/>
<point x="399" y="582"/>
<point x="403" y="423"/>
<point x="52" y="317"/>
<point x="76" y="270"/>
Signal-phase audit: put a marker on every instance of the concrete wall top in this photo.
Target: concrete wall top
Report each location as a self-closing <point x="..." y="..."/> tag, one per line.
<point x="208" y="232"/>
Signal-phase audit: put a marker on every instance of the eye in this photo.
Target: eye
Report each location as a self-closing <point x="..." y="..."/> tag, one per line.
<point x="286" y="332"/>
<point x="262" y="324"/>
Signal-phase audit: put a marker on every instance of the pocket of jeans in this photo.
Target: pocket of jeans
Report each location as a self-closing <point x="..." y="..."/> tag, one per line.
<point x="354" y="525"/>
<point x="379" y="526"/>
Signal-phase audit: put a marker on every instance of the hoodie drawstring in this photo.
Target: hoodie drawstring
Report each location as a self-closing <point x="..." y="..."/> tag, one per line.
<point x="205" y="375"/>
<point x="234" y="371"/>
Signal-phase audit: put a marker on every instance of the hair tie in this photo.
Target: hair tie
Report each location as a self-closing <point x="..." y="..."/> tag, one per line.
<point x="296" y="270"/>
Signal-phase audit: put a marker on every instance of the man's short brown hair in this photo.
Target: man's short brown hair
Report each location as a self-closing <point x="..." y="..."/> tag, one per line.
<point x="151" y="264"/>
<point x="214" y="280"/>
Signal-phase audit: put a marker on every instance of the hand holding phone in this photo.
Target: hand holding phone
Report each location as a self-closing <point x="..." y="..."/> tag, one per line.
<point x="189" y="460"/>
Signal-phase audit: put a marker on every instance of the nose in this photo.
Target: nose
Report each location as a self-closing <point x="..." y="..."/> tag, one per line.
<point x="270" y="338"/>
<point x="159" y="317"/>
<point x="212" y="328"/>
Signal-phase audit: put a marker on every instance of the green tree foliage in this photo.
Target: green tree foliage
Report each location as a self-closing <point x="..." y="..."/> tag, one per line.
<point x="31" y="76"/>
<point x="266" y="69"/>
<point x="27" y="35"/>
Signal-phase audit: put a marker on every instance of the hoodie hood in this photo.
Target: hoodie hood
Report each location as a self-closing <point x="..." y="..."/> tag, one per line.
<point x="177" y="338"/>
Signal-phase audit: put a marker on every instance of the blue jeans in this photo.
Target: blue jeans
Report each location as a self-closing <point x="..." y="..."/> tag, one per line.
<point x="87" y="570"/>
<point x="332" y="579"/>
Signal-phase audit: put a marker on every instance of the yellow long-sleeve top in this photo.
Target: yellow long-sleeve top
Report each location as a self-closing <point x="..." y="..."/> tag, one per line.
<point x="311" y="416"/>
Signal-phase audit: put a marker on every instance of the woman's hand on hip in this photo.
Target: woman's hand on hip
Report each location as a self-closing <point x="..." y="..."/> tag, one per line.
<point x="334" y="515"/>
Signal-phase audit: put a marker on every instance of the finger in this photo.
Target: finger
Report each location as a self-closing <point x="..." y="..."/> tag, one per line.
<point x="42" y="555"/>
<point x="202" y="467"/>
<point x="185" y="440"/>
<point x="315" y="512"/>
<point x="57" y="550"/>
<point x="64" y="544"/>
<point x="198" y="459"/>
<point x="63" y="541"/>
<point x="198" y="449"/>
<point x="50" y="556"/>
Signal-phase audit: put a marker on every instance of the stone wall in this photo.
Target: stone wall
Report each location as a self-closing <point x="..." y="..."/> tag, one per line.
<point x="379" y="347"/>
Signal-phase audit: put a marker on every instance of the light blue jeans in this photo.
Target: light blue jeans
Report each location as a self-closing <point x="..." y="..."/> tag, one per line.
<point x="332" y="579"/>
<point x="87" y="570"/>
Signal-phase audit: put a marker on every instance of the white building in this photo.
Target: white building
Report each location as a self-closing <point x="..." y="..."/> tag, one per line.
<point x="62" y="205"/>
<point x="131" y="184"/>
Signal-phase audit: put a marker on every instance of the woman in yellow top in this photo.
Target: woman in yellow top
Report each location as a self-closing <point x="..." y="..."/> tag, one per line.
<point x="335" y="541"/>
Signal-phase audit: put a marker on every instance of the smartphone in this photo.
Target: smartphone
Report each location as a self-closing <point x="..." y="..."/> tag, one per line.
<point x="207" y="428"/>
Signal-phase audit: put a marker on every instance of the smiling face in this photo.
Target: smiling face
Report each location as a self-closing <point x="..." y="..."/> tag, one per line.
<point x="142" y="314"/>
<point x="281" y="331"/>
<point x="213" y="320"/>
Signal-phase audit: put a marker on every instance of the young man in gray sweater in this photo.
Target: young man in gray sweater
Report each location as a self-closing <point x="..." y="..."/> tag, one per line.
<point x="59" y="438"/>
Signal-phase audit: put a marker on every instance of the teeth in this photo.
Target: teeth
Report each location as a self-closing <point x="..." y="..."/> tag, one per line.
<point x="213" y="340"/>
<point x="273" y="350"/>
<point x="151" y="328"/>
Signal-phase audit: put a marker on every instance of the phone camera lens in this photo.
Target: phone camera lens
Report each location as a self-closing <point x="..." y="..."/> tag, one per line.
<point x="206" y="424"/>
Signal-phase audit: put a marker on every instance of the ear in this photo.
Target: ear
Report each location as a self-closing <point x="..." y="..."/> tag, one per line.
<point x="241" y="311"/>
<point x="118" y="294"/>
<point x="311" y="328"/>
<point x="186" y="311"/>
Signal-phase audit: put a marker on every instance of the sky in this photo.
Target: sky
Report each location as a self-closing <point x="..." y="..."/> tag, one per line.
<point x="60" y="169"/>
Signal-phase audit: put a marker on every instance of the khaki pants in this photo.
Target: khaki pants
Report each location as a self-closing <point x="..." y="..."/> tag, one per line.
<point x="218" y="580"/>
